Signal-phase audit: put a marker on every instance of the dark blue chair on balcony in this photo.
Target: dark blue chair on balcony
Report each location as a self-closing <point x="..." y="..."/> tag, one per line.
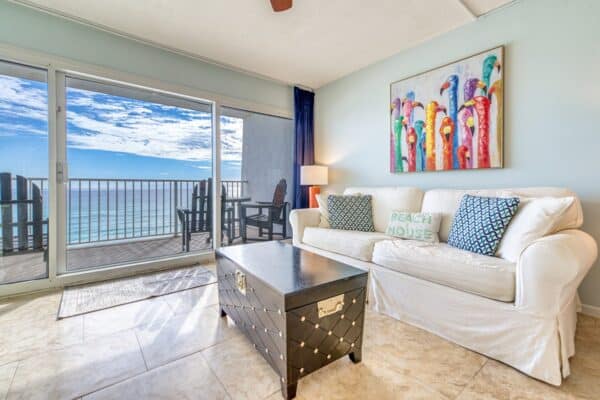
<point x="199" y="218"/>
<point x="29" y="213"/>
<point x="266" y="214"/>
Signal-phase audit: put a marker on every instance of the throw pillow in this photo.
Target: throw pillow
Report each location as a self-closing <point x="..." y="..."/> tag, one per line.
<point x="416" y="226"/>
<point x="535" y="218"/>
<point x="480" y="222"/>
<point x="352" y="213"/>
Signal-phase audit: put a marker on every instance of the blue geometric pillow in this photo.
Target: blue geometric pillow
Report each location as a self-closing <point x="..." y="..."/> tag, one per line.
<point x="480" y="222"/>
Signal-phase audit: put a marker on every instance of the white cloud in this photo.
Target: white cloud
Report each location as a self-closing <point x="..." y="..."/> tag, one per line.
<point x="97" y="121"/>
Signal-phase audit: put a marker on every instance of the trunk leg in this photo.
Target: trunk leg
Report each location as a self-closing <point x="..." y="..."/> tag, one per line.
<point x="289" y="390"/>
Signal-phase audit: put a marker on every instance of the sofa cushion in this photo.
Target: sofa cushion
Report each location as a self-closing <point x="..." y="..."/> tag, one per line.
<point x="535" y="218"/>
<point x="388" y="199"/>
<point x="441" y="263"/>
<point x="353" y="244"/>
<point x="446" y="202"/>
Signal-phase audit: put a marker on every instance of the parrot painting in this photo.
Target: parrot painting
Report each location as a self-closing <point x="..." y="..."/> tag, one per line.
<point x="419" y="125"/>
<point x="482" y="108"/>
<point x="497" y="90"/>
<point x="447" y="134"/>
<point x="395" y="157"/>
<point x="433" y="108"/>
<point x="489" y="64"/>
<point x="411" y="142"/>
<point x="451" y="85"/>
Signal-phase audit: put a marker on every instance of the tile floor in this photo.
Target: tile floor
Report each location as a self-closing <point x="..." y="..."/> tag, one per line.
<point x="177" y="347"/>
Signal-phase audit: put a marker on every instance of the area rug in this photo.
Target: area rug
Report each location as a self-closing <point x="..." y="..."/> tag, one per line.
<point x="77" y="300"/>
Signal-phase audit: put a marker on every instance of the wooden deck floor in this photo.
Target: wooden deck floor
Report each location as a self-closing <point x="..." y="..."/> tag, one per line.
<point x="30" y="266"/>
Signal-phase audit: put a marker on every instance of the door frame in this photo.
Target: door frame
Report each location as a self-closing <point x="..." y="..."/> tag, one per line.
<point x="57" y="68"/>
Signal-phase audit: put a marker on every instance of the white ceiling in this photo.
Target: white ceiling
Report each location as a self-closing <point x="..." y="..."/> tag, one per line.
<point x="314" y="43"/>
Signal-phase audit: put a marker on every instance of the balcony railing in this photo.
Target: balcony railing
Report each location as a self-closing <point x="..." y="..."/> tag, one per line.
<point x="100" y="210"/>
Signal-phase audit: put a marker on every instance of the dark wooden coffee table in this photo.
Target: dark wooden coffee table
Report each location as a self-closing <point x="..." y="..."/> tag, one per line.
<point x="300" y="310"/>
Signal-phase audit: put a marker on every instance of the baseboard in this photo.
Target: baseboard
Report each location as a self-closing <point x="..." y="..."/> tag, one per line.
<point x="592" y="311"/>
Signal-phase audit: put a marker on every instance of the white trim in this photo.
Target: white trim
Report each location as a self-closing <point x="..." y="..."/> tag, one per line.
<point x="35" y="58"/>
<point x="97" y="275"/>
<point x="592" y="311"/>
<point x="216" y="182"/>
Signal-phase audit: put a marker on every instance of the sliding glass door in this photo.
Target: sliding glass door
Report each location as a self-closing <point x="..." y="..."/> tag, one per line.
<point x="257" y="172"/>
<point x="98" y="173"/>
<point x="139" y="174"/>
<point x="24" y="189"/>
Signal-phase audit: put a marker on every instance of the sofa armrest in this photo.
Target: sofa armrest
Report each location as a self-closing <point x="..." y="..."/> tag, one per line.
<point x="300" y="219"/>
<point x="550" y="270"/>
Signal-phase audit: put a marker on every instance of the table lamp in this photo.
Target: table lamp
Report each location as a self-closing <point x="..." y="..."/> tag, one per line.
<point x="313" y="175"/>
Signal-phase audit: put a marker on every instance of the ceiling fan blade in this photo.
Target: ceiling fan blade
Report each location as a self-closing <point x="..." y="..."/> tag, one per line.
<point x="281" y="5"/>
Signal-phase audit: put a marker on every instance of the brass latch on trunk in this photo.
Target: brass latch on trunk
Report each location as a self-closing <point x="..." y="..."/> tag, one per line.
<point x="331" y="305"/>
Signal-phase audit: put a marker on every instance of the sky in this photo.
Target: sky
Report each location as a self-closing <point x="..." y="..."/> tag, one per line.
<point x="110" y="136"/>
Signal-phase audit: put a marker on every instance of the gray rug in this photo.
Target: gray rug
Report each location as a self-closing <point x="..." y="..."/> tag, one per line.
<point x="86" y="298"/>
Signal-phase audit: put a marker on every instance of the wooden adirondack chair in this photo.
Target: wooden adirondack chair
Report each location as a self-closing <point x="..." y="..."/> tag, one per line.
<point x="276" y="214"/>
<point x="29" y="222"/>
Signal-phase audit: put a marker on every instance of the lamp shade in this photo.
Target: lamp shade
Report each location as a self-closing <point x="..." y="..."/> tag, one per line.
<point x="313" y="175"/>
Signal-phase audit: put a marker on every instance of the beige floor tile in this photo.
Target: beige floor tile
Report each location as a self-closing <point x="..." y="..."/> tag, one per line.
<point x="189" y="300"/>
<point x="185" y="379"/>
<point x="153" y="312"/>
<point x="79" y="369"/>
<point x="406" y="350"/>
<point x="498" y="381"/>
<point x="25" y="338"/>
<point x="183" y="335"/>
<point x="584" y="381"/>
<point x="365" y="380"/>
<point x="30" y="307"/>
<point x="6" y="376"/>
<point x="243" y="372"/>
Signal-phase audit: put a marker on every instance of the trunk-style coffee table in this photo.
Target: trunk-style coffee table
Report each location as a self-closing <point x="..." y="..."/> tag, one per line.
<point x="300" y="310"/>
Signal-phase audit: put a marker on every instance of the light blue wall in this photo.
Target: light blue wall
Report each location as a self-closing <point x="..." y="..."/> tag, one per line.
<point x="24" y="27"/>
<point x="552" y="108"/>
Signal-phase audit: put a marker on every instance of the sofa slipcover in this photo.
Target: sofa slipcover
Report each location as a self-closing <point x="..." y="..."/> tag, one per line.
<point x="492" y="277"/>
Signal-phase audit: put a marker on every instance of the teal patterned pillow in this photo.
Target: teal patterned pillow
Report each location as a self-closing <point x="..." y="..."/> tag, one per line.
<point x="416" y="226"/>
<point x="480" y="222"/>
<point x="351" y="213"/>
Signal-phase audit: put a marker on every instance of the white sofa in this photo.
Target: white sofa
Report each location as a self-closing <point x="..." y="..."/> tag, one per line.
<point x="522" y="313"/>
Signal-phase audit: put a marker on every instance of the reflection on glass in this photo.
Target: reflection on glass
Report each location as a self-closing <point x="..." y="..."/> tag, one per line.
<point x="139" y="165"/>
<point x="23" y="173"/>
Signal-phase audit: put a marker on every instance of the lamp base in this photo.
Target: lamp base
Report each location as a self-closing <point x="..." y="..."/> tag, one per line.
<point x="313" y="191"/>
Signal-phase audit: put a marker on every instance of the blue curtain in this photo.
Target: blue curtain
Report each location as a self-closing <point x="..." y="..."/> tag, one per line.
<point x="304" y="152"/>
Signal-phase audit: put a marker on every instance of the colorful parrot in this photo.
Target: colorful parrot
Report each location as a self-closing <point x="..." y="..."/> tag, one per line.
<point x="410" y="96"/>
<point x="470" y="87"/>
<point x="497" y="90"/>
<point x="452" y="84"/>
<point x="419" y="125"/>
<point x="430" y="118"/>
<point x="482" y="108"/>
<point x="395" y="157"/>
<point x="489" y="64"/>
<point x="468" y="131"/>
<point x="447" y="134"/>
<point x="464" y="157"/>
<point x="408" y="108"/>
<point x="411" y="141"/>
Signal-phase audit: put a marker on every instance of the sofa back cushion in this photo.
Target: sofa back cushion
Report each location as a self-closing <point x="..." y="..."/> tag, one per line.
<point x="447" y="201"/>
<point x="387" y="199"/>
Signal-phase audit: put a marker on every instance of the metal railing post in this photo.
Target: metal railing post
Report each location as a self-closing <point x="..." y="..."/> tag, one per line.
<point x="175" y="220"/>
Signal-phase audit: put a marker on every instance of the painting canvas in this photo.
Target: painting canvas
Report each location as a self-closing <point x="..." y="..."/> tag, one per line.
<point x="450" y="117"/>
